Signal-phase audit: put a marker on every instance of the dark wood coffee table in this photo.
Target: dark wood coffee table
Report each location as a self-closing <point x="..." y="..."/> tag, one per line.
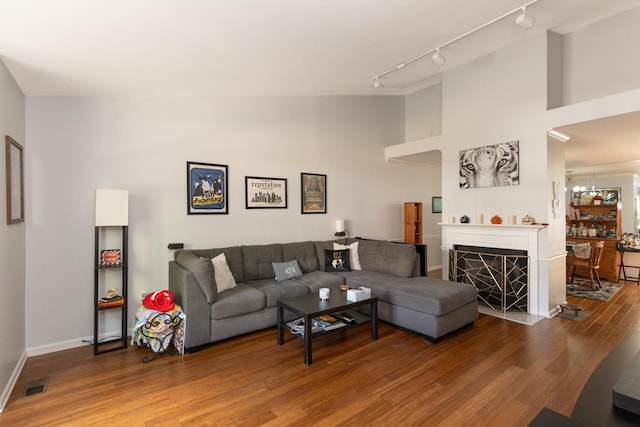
<point x="310" y="306"/>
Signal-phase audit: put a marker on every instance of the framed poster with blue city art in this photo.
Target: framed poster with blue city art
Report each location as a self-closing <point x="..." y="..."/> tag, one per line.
<point x="207" y="191"/>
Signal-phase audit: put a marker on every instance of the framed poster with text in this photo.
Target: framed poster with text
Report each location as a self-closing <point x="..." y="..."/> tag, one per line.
<point x="207" y="191"/>
<point x="265" y="193"/>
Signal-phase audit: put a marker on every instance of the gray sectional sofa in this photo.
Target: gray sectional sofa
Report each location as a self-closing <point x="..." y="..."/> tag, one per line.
<point x="428" y="306"/>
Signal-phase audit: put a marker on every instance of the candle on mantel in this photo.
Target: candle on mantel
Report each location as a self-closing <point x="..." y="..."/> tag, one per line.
<point x="479" y="218"/>
<point x="512" y="220"/>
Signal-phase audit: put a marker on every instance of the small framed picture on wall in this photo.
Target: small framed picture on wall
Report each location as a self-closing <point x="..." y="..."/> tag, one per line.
<point x="15" y="181"/>
<point x="314" y="193"/>
<point x="436" y="204"/>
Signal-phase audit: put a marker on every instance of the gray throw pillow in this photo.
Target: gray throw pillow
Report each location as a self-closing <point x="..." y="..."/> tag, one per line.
<point x="286" y="270"/>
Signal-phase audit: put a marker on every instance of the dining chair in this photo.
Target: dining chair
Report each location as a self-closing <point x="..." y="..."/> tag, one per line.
<point x="592" y="264"/>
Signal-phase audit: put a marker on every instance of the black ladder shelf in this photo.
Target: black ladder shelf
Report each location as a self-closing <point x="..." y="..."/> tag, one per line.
<point x="108" y="345"/>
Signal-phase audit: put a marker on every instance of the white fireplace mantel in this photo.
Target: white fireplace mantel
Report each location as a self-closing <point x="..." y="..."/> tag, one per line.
<point x="503" y="236"/>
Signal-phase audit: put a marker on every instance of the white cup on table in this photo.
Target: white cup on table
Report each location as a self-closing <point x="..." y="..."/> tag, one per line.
<point x="324" y="293"/>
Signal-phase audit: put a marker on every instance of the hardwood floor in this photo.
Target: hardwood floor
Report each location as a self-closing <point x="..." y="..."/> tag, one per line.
<point x="496" y="373"/>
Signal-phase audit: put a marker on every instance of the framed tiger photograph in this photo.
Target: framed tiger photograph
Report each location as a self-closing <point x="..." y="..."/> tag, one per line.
<point x="490" y="166"/>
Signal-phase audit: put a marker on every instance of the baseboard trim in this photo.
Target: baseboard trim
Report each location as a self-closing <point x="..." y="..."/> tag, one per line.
<point x="13" y="379"/>
<point x="58" y="346"/>
<point x="76" y="342"/>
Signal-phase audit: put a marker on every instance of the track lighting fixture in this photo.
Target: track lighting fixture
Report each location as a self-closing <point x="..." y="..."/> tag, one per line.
<point x="523" y="19"/>
<point x="438" y="58"/>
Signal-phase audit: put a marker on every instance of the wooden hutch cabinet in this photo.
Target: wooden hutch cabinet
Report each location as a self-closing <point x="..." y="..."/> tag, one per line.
<point x="593" y="222"/>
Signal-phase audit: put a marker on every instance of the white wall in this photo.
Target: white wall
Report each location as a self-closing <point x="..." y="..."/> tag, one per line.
<point x="599" y="60"/>
<point x="142" y="145"/>
<point x="498" y="98"/>
<point x="12" y="246"/>
<point x="423" y="113"/>
<point x="423" y="119"/>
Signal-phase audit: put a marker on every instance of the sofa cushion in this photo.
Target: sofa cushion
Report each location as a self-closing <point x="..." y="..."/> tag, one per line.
<point x="387" y="257"/>
<point x="304" y="252"/>
<point x="368" y="253"/>
<point x="202" y="269"/>
<point x="274" y="290"/>
<point x="222" y="273"/>
<point x="320" y="279"/>
<point x="259" y="259"/>
<point x="286" y="270"/>
<point x="337" y="260"/>
<point x="232" y="253"/>
<point x="240" y="300"/>
<point x="424" y="294"/>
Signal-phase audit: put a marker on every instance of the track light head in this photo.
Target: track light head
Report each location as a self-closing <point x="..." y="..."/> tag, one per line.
<point x="377" y="84"/>
<point x="438" y="58"/>
<point x="524" y="20"/>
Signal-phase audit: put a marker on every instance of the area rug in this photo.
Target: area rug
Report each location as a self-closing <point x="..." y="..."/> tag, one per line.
<point x="582" y="288"/>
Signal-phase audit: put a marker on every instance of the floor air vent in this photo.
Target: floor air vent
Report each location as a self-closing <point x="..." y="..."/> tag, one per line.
<point x="36" y="387"/>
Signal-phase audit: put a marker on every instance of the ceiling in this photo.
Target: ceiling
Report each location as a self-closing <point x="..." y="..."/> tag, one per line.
<point x="605" y="146"/>
<point x="274" y="47"/>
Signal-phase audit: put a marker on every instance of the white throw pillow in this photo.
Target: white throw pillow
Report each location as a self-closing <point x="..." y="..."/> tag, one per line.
<point x="224" y="278"/>
<point x="355" y="258"/>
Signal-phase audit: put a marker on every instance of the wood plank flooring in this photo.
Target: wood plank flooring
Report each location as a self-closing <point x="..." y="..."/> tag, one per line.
<point x="495" y="373"/>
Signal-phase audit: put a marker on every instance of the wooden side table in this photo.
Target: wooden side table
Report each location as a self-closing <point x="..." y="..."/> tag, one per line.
<point x="621" y="271"/>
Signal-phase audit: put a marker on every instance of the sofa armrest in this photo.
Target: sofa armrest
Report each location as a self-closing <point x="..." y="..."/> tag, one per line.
<point x="189" y="295"/>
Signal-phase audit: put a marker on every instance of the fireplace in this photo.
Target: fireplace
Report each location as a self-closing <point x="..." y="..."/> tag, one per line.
<point x="501" y="276"/>
<point x="510" y="252"/>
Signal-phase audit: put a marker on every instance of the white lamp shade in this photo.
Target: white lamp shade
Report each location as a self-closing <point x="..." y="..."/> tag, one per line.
<point x="339" y="226"/>
<point x="112" y="207"/>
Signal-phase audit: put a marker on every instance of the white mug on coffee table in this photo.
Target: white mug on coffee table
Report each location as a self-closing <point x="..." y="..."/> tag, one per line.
<point x="324" y="293"/>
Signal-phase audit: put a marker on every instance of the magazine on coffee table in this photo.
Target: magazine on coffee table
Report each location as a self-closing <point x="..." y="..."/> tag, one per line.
<point x="329" y="322"/>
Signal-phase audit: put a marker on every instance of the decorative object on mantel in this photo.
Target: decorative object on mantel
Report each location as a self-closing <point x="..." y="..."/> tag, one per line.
<point x="527" y="220"/>
<point x="512" y="220"/>
<point x="464" y="219"/>
<point x="496" y="220"/>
